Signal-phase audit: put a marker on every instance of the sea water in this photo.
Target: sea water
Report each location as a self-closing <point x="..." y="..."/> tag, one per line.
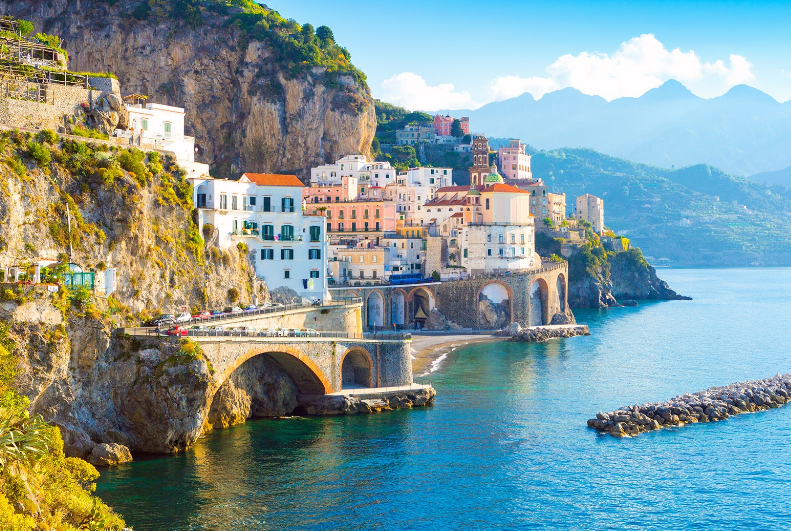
<point x="506" y="444"/>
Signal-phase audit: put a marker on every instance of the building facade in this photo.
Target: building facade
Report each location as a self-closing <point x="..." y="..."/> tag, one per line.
<point x="415" y="133"/>
<point x="444" y="124"/>
<point x="357" y="166"/>
<point x="480" y="168"/>
<point x="591" y="209"/>
<point x="514" y="162"/>
<point x="286" y="246"/>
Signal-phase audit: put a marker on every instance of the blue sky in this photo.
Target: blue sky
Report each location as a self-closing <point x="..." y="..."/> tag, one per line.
<point x="456" y="54"/>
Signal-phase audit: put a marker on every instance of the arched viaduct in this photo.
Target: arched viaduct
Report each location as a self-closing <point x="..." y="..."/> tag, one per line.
<point x="529" y="298"/>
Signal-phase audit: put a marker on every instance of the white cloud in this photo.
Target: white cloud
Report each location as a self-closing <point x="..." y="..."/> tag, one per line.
<point x="640" y="64"/>
<point x="411" y="91"/>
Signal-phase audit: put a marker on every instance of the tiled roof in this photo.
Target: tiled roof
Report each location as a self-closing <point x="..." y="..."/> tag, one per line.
<point x="271" y="179"/>
<point x="457" y="215"/>
<point x="452" y="189"/>
<point x="499" y="187"/>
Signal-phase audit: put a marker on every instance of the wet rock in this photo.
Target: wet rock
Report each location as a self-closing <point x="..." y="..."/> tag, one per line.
<point x="109" y="455"/>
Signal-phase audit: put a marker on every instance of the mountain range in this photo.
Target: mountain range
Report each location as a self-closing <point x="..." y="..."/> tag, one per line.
<point x="743" y="132"/>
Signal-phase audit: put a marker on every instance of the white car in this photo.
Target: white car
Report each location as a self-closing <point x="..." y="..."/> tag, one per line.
<point x="236" y="309"/>
<point x="183" y="318"/>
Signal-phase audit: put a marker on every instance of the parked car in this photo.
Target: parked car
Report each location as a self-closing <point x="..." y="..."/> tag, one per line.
<point x="310" y="332"/>
<point x="217" y="312"/>
<point x="183" y="318"/>
<point x="236" y="309"/>
<point x="202" y="315"/>
<point x="178" y="331"/>
<point x="251" y="308"/>
<point x="163" y="320"/>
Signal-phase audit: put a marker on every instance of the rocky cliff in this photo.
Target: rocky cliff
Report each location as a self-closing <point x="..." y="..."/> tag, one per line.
<point x="247" y="104"/>
<point x="599" y="278"/>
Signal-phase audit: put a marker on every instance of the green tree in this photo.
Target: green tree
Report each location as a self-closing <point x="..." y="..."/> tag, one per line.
<point x="25" y="27"/>
<point x="325" y="35"/>
<point x="455" y="129"/>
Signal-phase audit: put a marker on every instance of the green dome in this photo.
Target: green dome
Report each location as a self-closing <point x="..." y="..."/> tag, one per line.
<point x="493" y="178"/>
<point x="473" y="191"/>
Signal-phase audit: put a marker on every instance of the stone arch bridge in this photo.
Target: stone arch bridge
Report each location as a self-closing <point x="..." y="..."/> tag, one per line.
<point x="529" y="298"/>
<point x="317" y="366"/>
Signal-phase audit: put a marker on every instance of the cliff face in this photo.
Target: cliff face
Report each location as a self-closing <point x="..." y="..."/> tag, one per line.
<point x="245" y="110"/>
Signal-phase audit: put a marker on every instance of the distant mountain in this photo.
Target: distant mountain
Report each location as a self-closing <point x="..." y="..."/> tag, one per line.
<point x="779" y="177"/>
<point x="696" y="216"/>
<point x="744" y="131"/>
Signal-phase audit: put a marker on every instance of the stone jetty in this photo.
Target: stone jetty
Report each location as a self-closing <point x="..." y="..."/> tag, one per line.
<point x="716" y="403"/>
<point x="546" y="332"/>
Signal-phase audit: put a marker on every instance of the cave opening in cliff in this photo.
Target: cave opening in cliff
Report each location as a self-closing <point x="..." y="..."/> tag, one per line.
<point x="356" y="370"/>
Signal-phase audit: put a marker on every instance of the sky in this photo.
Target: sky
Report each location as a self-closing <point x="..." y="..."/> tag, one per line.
<point x="442" y="54"/>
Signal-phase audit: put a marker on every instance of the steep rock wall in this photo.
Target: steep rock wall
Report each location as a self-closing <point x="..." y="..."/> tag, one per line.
<point x="246" y="112"/>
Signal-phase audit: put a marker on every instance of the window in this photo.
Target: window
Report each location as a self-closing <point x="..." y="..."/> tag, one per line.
<point x="235" y="225"/>
<point x="374" y="274"/>
<point x="288" y="204"/>
<point x="223" y="202"/>
<point x="329" y="227"/>
<point x="286" y="254"/>
<point x="489" y="238"/>
<point x="287" y="233"/>
<point x="464" y="253"/>
<point x="267" y="254"/>
<point x="314" y="274"/>
<point x="522" y="249"/>
<point x="201" y="200"/>
<point x="354" y="226"/>
<point x="354" y="214"/>
<point x="315" y="233"/>
<point x="268" y="232"/>
<point x="286" y="274"/>
<point x="487" y="203"/>
<point x="244" y="202"/>
<point x="377" y="225"/>
<point x="522" y="239"/>
<point x="144" y="124"/>
<point x="362" y="274"/>
<point x="501" y="251"/>
<point x="252" y="203"/>
<point x="365" y="214"/>
<point x="431" y="180"/>
<point x="489" y="252"/>
<point x="168" y="127"/>
<point x="314" y="254"/>
<point x="340" y="226"/>
<point x="362" y="259"/>
<point x="341" y="214"/>
<point x="234" y="203"/>
<point x="267" y="206"/>
<point x="513" y="238"/>
<point x="501" y="236"/>
<point x="366" y="226"/>
<point x="373" y="259"/>
<point x="513" y="251"/>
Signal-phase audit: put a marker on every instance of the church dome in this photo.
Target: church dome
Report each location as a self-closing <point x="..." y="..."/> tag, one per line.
<point x="493" y="178"/>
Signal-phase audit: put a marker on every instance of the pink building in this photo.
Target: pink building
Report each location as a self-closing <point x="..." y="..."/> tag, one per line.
<point x="443" y="124"/>
<point x="359" y="217"/>
<point x="337" y="193"/>
<point x="514" y="162"/>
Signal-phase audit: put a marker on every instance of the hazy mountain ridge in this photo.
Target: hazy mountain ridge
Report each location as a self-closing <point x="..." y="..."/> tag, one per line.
<point x="687" y="215"/>
<point x="744" y="131"/>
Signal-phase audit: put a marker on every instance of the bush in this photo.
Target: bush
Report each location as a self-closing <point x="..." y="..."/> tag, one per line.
<point x="40" y="153"/>
<point x="132" y="161"/>
<point x="233" y="295"/>
<point x="17" y="166"/>
<point x="25" y="27"/>
<point x="49" y="136"/>
<point x="79" y="130"/>
<point x="208" y="230"/>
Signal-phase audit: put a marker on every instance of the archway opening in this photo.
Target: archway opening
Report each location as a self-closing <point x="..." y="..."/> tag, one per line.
<point x="356" y="371"/>
<point x="423" y="303"/>
<point x="494" y="307"/>
<point x="397" y="307"/>
<point x="537" y="303"/>
<point x="375" y="310"/>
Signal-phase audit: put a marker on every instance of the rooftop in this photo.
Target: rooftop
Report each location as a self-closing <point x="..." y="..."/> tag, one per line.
<point x="271" y="179"/>
<point x="503" y="188"/>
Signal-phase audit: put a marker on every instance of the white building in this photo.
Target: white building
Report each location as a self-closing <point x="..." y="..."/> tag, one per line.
<point x="501" y="236"/>
<point x="287" y="247"/>
<point x="415" y="133"/>
<point x="357" y="166"/>
<point x="591" y="209"/>
<point x="162" y="127"/>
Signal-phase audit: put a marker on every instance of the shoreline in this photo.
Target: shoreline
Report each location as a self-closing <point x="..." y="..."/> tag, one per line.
<point x="429" y="351"/>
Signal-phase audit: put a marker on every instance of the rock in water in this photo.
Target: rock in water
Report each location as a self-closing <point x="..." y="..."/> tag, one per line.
<point x="111" y="454"/>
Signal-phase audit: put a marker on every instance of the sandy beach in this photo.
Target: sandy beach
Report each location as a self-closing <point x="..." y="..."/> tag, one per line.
<point x="430" y="350"/>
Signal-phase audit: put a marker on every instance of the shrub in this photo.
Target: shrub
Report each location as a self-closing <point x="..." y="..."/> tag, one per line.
<point x="79" y="130"/>
<point x="25" y="27"/>
<point x="49" y="136"/>
<point x="208" y="230"/>
<point x="243" y="249"/>
<point x="549" y="222"/>
<point x="132" y="161"/>
<point x="233" y="294"/>
<point x="40" y="153"/>
<point x="16" y="166"/>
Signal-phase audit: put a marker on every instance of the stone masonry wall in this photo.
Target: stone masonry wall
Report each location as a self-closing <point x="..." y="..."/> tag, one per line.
<point x="22" y="113"/>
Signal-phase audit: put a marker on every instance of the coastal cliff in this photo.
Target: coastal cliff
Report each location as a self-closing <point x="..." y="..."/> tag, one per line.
<point x="254" y="100"/>
<point x="601" y="277"/>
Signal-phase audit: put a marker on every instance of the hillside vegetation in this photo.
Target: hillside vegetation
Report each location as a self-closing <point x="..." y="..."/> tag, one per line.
<point x="697" y="215"/>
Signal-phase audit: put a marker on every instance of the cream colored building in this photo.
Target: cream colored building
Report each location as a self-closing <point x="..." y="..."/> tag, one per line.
<point x="591" y="209"/>
<point x="359" y="265"/>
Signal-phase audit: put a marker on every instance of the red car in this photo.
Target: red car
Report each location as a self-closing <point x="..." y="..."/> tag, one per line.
<point x="203" y="315"/>
<point x="178" y="331"/>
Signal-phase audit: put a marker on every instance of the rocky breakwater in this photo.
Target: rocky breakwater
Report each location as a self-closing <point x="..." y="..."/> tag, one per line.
<point x="544" y="333"/>
<point x="350" y="404"/>
<point x="716" y="403"/>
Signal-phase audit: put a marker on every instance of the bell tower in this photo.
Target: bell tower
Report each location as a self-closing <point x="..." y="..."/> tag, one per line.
<point x="480" y="160"/>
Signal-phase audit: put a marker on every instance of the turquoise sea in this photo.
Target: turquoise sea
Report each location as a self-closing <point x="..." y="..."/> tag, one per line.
<point x="506" y="444"/>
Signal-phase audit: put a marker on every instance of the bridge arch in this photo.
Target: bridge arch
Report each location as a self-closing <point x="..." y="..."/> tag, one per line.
<point x="494" y="305"/>
<point x="303" y="371"/>
<point x="357" y="368"/>
<point x="375" y="309"/>
<point x="421" y="301"/>
<point x="398" y="307"/>
<point x="539" y="302"/>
